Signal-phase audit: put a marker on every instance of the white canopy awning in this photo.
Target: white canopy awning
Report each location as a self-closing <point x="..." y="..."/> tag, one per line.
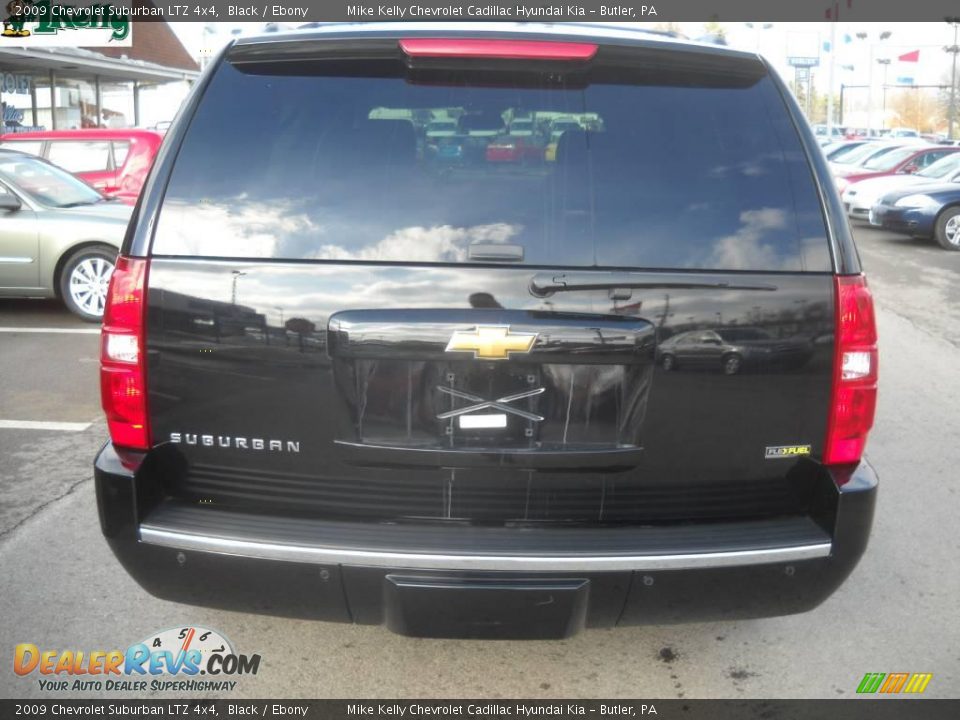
<point x="87" y="62"/>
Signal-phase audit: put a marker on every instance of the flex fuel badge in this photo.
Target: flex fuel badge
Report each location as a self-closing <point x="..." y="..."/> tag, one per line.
<point x="778" y="452"/>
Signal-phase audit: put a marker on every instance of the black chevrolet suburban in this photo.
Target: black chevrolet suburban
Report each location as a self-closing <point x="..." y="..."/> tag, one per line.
<point x="384" y="343"/>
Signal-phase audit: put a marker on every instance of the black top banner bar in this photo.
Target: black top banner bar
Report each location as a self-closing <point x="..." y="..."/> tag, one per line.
<point x="591" y="11"/>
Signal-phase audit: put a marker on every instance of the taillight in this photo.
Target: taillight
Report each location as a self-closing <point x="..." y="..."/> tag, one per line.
<point x="854" y="397"/>
<point x="123" y="386"/>
<point x="504" y="49"/>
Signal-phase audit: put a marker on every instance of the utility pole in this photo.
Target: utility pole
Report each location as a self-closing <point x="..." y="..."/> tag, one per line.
<point x="834" y="17"/>
<point x="954" y="50"/>
<point x="757" y="27"/>
<point x="883" y="117"/>
<point x="866" y="36"/>
<point x="233" y="292"/>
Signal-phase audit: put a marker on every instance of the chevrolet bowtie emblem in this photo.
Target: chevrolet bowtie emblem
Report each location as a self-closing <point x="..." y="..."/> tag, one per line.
<point x="491" y="342"/>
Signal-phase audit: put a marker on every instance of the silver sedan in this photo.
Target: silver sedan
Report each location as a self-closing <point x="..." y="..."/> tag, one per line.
<point x="58" y="236"/>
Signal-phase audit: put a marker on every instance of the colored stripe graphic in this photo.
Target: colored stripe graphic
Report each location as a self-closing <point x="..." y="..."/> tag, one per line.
<point x="918" y="682"/>
<point x="893" y="683"/>
<point x="870" y="682"/>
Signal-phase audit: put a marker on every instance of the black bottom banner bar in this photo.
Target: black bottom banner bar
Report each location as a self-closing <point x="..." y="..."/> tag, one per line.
<point x="871" y="709"/>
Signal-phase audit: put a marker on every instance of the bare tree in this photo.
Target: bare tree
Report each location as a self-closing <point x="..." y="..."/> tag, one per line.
<point x="943" y="102"/>
<point x="916" y="108"/>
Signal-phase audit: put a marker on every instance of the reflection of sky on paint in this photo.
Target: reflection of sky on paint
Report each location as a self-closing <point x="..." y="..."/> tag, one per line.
<point x="316" y="291"/>
<point x="321" y="289"/>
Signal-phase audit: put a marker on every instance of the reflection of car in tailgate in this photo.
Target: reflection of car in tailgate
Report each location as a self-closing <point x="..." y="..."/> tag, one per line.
<point x="731" y="349"/>
<point x="438" y="405"/>
<point x="514" y="148"/>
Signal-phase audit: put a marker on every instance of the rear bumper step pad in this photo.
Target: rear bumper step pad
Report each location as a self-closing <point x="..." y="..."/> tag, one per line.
<point x="185" y="527"/>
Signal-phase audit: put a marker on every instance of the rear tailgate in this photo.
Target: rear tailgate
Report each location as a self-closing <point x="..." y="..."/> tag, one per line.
<point x="635" y="329"/>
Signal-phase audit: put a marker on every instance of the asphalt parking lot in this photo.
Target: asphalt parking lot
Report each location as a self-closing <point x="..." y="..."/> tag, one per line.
<point x="60" y="587"/>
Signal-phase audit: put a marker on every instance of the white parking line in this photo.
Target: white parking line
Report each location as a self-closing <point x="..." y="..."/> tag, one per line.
<point x="62" y="331"/>
<point x="42" y="425"/>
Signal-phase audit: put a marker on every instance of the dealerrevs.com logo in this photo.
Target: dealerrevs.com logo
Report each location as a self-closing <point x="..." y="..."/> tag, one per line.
<point x="44" y="22"/>
<point x="171" y="660"/>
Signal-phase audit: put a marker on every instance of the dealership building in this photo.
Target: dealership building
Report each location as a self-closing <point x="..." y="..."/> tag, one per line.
<point x="58" y="88"/>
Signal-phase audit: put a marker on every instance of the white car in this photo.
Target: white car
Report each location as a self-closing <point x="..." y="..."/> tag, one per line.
<point x="862" y="155"/>
<point x="441" y="128"/>
<point x="859" y="197"/>
<point x="903" y="133"/>
<point x="521" y="128"/>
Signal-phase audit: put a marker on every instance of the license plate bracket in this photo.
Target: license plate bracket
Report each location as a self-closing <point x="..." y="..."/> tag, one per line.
<point x="485" y="607"/>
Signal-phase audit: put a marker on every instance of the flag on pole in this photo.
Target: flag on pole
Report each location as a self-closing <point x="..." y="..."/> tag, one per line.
<point x="913" y="56"/>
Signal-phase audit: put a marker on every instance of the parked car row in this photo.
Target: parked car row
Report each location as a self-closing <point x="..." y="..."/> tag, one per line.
<point x="893" y="159"/>
<point x="839" y="134"/>
<point x="904" y="187"/>
<point x="862" y="196"/>
<point x="928" y="210"/>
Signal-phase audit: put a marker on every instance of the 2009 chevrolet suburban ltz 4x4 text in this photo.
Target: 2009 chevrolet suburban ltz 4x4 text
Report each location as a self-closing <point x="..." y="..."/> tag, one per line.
<point x="357" y="370"/>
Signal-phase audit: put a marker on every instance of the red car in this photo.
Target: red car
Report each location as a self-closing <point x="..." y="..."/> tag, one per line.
<point x="905" y="161"/>
<point x="514" y="148"/>
<point x="115" y="162"/>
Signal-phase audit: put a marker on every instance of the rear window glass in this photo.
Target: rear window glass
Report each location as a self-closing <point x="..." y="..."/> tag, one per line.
<point x="858" y="153"/>
<point x="945" y="167"/>
<point x="615" y="168"/>
<point x="120" y="150"/>
<point x="888" y="161"/>
<point x="930" y="158"/>
<point x="45" y="183"/>
<point x="874" y="156"/>
<point x="80" y="156"/>
<point x="33" y="147"/>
